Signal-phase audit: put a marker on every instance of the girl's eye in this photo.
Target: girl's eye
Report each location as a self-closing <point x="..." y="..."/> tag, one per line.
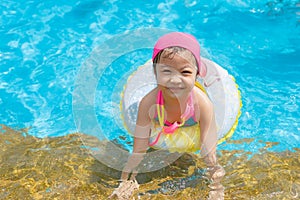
<point x="186" y="72"/>
<point x="166" y="71"/>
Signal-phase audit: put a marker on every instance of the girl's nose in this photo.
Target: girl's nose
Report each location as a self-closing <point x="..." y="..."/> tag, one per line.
<point x="175" y="79"/>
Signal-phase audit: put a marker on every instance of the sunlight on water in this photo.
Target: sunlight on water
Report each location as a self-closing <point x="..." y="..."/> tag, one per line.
<point x="61" y="168"/>
<point x="43" y="47"/>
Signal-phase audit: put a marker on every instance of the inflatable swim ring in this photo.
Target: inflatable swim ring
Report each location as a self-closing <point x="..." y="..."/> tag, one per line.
<point x="218" y="85"/>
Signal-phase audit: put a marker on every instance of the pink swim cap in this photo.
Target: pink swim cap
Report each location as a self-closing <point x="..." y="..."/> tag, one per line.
<point x="180" y="39"/>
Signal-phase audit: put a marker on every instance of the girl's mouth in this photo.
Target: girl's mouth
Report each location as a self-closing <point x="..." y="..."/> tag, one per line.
<point x="175" y="89"/>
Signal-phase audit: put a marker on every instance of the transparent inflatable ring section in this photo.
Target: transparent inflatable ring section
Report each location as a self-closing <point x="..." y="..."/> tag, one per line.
<point x="218" y="85"/>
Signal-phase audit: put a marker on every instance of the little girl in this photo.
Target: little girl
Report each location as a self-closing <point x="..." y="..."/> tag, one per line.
<point x="176" y="115"/>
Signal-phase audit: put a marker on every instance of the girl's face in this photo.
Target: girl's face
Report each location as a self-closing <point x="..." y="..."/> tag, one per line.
<point x="176" y="74"/>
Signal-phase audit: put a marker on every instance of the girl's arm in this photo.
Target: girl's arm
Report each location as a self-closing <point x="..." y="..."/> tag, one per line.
<point x="141" y="139"/>
<point x="209" y="140"/>
<point x="140" y="146"/>
<point x="208" y="134"/>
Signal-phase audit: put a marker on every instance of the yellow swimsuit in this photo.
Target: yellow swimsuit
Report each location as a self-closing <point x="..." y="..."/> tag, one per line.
<point x="185" y="137"/>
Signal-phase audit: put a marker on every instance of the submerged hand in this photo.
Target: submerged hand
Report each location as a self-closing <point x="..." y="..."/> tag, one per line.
<point x="125" y="190"/>
<point x="216" y="192"/>
<point x="216" y="173"/>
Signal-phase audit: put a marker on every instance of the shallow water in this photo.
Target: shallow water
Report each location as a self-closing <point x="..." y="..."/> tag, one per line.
<point x="61" y="168"/>
<point x="44" y="46"/>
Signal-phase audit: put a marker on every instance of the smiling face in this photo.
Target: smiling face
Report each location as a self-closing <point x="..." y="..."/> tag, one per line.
<point x="176" y="73"/>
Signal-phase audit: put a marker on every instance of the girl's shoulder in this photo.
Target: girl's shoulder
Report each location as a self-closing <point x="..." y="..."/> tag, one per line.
<point x="200" y="96"/>
<point x="150" y="98"/>
<point x="202" y="101"/>
<point x="148" y="102"/>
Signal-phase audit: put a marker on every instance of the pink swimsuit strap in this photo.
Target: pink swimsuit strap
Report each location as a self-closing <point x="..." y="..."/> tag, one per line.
<point x="189" y="110"/>
<point x="172" y="127"/>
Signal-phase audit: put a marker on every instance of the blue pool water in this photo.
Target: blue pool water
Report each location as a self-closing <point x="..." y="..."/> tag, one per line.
<point x="63" y="65"/>
<point x="44" y="44"/>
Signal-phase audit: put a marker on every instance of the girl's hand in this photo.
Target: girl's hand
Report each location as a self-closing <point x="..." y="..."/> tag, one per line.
<point x="125" y="190"/>
<point x="216" y="173"/>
